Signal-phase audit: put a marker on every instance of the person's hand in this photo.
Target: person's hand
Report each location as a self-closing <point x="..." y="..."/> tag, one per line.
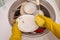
<point x="43" y="21"/>
<point x="16" y="33"/>
<point x="49" y="24"/>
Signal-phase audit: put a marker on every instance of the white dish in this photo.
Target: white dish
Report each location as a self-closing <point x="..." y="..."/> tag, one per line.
<point x="26" y="23"/>
<point x="30" y="8"/>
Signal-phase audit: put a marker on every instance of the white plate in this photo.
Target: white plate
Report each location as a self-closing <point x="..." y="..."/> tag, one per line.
<point x="26" y="23"/>
<point x="30" y="7"/>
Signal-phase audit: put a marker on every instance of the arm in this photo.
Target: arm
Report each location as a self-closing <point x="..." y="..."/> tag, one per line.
<point x="49" y="24"/>
<point x="16" y="33"/>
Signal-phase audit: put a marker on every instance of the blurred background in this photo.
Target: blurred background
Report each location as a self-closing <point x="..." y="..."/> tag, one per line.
<point x="58" y="3"/>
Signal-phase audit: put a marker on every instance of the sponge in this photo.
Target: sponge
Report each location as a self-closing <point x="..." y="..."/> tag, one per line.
<point x="39" y="21"/>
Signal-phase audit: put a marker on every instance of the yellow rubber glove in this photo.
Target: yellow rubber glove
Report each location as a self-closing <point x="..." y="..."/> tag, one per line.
<point x="49" y="24"/>
<point x="16" y="33"/>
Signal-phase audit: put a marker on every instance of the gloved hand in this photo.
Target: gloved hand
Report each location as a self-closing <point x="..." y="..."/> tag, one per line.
<point x="16" y="33"/>
<point x="49" y="24"/>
